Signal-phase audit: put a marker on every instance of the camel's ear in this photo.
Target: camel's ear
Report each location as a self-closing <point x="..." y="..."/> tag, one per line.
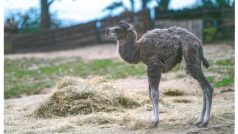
<point x="125" y="25"/>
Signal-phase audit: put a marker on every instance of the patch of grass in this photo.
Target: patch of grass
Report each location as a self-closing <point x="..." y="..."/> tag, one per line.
<point x="174" y="92"/>
<point x="226" y="62"/>
<point x="224" y="73"/>
<point x="179" y="76"/>
<point x="224" y="81"/>
<point x="181" y="100"/>
<point x="211" y="78"/>
<point x="7" y="47"/>
<point x="221" y="81"/>
<point x="30" y="75"/>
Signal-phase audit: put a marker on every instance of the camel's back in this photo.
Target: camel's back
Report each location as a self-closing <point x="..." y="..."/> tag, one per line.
<point x="165" y="45"/>
<point x="159" y="42"/>
<point x="156" y="35"/>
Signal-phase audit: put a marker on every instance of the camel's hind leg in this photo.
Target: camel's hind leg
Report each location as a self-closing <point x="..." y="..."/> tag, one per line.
<point x="193" y="67"/>
<point x="207" y="95"/>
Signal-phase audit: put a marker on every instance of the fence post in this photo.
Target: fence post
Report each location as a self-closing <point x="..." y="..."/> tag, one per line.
<point x="146" y="20"/>
<point x="97" y="32"/>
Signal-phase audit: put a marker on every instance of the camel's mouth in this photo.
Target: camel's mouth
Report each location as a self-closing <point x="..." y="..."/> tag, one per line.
<point x="110" y="33"/>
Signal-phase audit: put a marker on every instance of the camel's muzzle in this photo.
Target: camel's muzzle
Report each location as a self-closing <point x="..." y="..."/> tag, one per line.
<point x="107" y="32"/>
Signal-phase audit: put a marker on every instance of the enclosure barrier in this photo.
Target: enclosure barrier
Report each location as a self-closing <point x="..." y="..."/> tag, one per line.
<point x="94" y="32"/>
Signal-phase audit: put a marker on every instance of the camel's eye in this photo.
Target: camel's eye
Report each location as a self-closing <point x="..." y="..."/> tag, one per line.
<point x="118" y="30"/>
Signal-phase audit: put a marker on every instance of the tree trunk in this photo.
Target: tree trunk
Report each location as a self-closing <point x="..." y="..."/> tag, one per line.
<point x="45" y="15"/>
<point x="132" y="6"/>
<point x="145" y="14"/>
<point x="144" y="3"/>
<point x="146" y="20"/>
<point x="164" y="4"/>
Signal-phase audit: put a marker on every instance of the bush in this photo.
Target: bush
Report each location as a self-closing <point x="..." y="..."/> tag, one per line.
<point x="209" y="34"/>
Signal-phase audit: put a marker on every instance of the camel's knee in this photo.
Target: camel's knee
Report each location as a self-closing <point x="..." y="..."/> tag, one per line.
<point x="194" y="70"/>
<point x="154" y="94"/>
<point x="210" y="91"/>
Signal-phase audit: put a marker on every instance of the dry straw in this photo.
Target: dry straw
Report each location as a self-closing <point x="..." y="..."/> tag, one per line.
<point x="74" y="96"/>
<point x="92" y="102"/>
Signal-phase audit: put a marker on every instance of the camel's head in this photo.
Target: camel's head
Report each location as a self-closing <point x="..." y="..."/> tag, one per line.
<point x="120" y="31"/>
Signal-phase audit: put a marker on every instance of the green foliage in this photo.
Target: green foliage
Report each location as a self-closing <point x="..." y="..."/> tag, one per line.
<point x="209" y="34"/>
<point x="29" y="20"/>
<point x="114" y="6"/>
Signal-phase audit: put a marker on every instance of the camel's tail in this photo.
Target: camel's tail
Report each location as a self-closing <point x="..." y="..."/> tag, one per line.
<point x="204" y="60"/>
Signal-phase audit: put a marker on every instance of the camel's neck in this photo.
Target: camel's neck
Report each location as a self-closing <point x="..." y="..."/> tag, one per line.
<point x="129" y="50"/>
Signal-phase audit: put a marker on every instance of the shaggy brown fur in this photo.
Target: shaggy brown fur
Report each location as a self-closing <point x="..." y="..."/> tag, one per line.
<point x="161" y="50"/>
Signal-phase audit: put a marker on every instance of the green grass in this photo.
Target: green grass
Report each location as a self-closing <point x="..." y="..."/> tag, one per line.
<point x="30" y="76"/>
<point x="226" y="62"/>
<point x="226" y="81"/>
<point x="221" y="82"/>
<point x="7" y="47"/>
<point x="224" y="70"/>
<point x="211" y="78"/>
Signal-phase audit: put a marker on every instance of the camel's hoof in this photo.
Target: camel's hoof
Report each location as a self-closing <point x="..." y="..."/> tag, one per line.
<point x="155" y="123"/>
<point x="197" y="122"/>
<point x="202" y="124"/>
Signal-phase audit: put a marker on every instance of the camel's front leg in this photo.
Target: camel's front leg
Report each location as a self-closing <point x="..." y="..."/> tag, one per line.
<point x="154" y="75"/>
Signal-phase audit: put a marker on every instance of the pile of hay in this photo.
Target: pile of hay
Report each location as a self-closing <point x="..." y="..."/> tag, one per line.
<point x="74" y="95"/>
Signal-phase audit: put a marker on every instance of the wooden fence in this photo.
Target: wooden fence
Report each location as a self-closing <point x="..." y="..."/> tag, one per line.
<point x="193" y="25"/>
<point x="109" y="22"/>
<point x="74" y="36"/>
<point x="63" y="38"/>
<point x="94" y="32"/>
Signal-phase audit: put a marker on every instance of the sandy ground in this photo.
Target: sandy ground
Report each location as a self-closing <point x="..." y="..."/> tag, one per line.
<point x="177" y="118"/>
<point x="103" y="51"/>
<point x="100" y="51"/>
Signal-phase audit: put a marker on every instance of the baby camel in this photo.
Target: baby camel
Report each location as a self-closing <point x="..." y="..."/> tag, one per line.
<point x="161" y="50"/>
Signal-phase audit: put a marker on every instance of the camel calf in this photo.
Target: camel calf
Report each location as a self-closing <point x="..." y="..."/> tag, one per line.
<point x="161" y="50"/>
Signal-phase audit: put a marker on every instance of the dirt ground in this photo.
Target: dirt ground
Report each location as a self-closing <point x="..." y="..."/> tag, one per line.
<point x="174" y="117"/>
<point x="104" y="51"/>
<point x="101" y="51"/>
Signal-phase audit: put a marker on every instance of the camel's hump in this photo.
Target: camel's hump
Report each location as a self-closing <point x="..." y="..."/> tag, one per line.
<point x="155" y="35"/>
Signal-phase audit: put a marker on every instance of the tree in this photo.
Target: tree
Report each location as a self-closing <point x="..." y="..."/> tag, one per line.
<point x="145" y="14"/>
<point x="216" y="4"/>
<point x="144" y="4"/>
<point x="132" y="6"/>
<point x="114" y="6"/>
<point x="45" y="21"/>
<point x="163" y="4"/>
<point x="27" y="21"/>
